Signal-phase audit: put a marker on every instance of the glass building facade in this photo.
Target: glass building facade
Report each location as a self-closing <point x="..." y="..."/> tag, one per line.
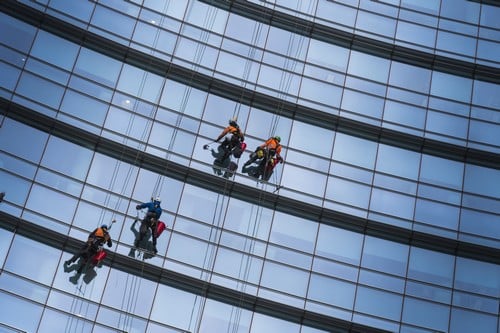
<point x="385" y="216"/>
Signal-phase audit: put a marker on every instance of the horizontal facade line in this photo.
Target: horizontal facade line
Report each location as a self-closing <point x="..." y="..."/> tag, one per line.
<point x="187" y="283"/>
<point x="245" y="96"/>
<point x="356" y="42"/>
<point x="244" y="192"/>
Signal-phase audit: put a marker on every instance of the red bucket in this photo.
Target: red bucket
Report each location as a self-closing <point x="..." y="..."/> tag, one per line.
<point x="99" y="256"/>
<point x="159" y="228"/>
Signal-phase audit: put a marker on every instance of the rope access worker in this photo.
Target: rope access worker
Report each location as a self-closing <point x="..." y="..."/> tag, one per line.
<point x="96" y="239"/>
<point x="269" y="149"/>
<point x="233" y="137"/>
<point x="150" y="220"/>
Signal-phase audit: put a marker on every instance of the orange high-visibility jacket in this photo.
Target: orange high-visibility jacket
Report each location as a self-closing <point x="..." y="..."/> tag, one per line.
<point x="230" y="129"/>
<point x="272" y="143"/>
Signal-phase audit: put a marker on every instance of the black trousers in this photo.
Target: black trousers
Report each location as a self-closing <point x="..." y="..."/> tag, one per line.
<point x="147" y="223"/>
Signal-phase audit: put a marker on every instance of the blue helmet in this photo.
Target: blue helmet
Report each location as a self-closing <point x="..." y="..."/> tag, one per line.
<point x="104" y="226"/>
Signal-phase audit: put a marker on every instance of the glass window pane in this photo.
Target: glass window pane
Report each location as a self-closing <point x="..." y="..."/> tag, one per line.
<point x="17" y="311"/>
<point x="381" y="281"/>
<point x="84" y="107"/>
<point x="463" y="321"/>
<point x="489" y="16"/>
<point x="179" y="312"/>
<point x="445" y="124"/>
<point x="45" y="257"/>
<point x="415" y="34"/>
<point x="113" y="175"/>
<point x="339" y="244"/>
<point x="90" y="88"/>
<point x="361" y="103"/>
<point x="18" y="188"/>
<point x="337" y="56"/>
<point x="49" y="72"/>
<point x="59" y="182"/>
<point x="437" y="214"/>
<point x="306" y="137"/>
<point x="113" y="21"/>
<point x="392" y="203"/>
<point x="302" y="180"/>
<point x="354" y="151"/>
<point x="54" y="50"/>
<point x="385" y="256"/>
<point x="220" y="317"/>
<point x="293" y="232"/>
<point x="429" y="292"/>
<point x="404" y="114"/>
<point x="196" y="14"/>
<point x="426" y="314"/>
<point x="246" y="30"/>
<point x="331" y="291"/>
<point x="273" y="78"/>
<point x="462" y="10"/>
<point x="481" y="180"/>
<point x="480" y="223"/>
<point x="320" y="92"/>
<point x="24" y="288"/>
<point x="67" y="158"/>
<point x="9" y="77"/>
<point x="475" y="302"/>
<point x="369" y="301"/>
<point x="238" y="266"/>
<point x="368" y="66"/>
<point x="333" y="12"/>
<point x="113" y="318"/>
<point x="15" y="33"/>
<point x="200" y="204"/>
<point x="140" y="83"/>
<point x="263" y="323"/>
<point x="478" y="277"/>
<point x="454" y="43"/>
<point x="174" y="98"/>
<point x="241" y="218"/>
<point x="398" y="162"/>
<point x="40" y="90"/>
<point x="53" y="320"/>
<point x="286" y="43"/>
<point x="197" y="254"/>
<point x="370" y="22"/>
<point x="348" y="192"/>
<point x="79" y="9"/>
<point x="98" y="67"/>
<point x="430" y="266"/>
<point x="420" y="77"/>
<point x="48" y="202"/>
<point x="440" y="171"/>
<point x="451" y="86"/>
<point x="485" y="133"/>
<point x="294" y="284"/>
<point x="122" y="286"/>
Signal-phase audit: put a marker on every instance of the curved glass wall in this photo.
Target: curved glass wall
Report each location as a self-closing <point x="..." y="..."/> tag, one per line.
<point x="459" y="29"/>
<point x="328" y="270"/>
<point x="172" y="120"/>
<point x="222" y="240"/>
<point x="289" y="66"/>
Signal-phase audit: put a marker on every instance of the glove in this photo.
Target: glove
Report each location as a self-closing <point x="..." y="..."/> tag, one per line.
<point x="138" y="207"/>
